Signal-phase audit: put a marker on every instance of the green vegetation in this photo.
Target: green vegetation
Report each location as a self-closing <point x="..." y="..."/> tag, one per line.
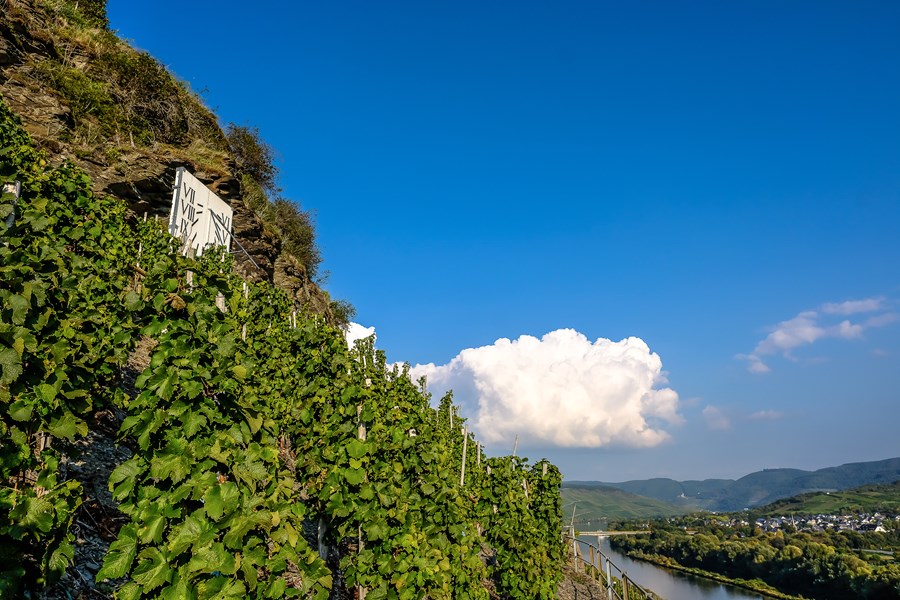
<point x="121" y="99"/>
<point x="826" y="564"/>
<point x="866" y="499"/>
<point x="117" y="93"/>
<point x="254" y="162"/>
<point x="64" y="329"/>
<point x="270" y="460"/>
<point x="597" y="503"/>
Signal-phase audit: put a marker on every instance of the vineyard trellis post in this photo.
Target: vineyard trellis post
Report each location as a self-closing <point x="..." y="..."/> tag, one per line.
<point x="361" y="435"/>
<point x="14" y="188"/>
<point x="462" y="473"/>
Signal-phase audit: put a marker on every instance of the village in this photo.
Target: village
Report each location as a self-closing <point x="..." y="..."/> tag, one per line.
<point x="863" y="522"/>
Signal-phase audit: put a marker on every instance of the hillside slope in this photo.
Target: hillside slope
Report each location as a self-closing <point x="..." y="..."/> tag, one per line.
<point x="86" y="96"/>
<point x="759" y="488"/>
<point x="863" y="499"/>
<point x="595" y="505"/>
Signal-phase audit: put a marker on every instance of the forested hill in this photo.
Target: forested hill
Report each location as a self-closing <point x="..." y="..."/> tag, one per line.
<point x="759" y="488"/>
<point x="188" y="428"/>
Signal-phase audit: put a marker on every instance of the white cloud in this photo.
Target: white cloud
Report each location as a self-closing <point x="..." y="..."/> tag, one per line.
<point x="716" y="418"/>
<point x="811" y="326"/>
<point x="852" y="307"/>
<point x="562" y="390"/>
<point x="767" y="415"/>
<point x="355" y="331"/>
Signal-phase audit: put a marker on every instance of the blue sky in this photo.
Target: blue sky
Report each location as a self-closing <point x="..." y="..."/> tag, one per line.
<point x="716" y="180"/>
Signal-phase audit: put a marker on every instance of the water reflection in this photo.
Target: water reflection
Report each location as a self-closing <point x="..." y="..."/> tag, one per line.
<point x="671" y="585"/>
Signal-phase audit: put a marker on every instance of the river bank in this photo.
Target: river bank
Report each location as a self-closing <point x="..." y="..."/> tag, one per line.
<point x="755" y="586"/>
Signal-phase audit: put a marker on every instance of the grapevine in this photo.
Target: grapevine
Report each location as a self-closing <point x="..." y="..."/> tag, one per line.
<point x="271" y="460"/>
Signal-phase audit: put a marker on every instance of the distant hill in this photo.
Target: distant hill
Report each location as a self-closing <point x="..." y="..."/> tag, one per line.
<point x="690" y="495"/>
<point x="597" y="502"/>
<point x="864" y="499"/>
<point x="756" y="489"/>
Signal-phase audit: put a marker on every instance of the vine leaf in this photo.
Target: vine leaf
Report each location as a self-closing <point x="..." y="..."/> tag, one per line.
<point x="120" y="556"/>
<point x="152" y="570"/>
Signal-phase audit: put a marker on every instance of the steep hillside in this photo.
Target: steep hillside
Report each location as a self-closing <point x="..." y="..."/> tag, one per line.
<point x="86" y="96"/>
<point x="596" y="504"/>
<point x="257" y="456"/>
<point x="169" y="429"/>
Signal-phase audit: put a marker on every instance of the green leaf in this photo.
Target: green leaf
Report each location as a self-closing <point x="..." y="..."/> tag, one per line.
<point x="66" y="426"/>
<point x="375" y="531"/>
<point x="122" y="479"/>
<point x="10" y="365"/>
<point x="61" y="558"/>
<point x="120" y="555"/>
<point x="192" y="422"/>
<point x="152" y="528"/>
<point x="174" y="466"/>
<point x="354" y="476"/>
<point x="212" y="558"/>
<point x="221" y="499"/>
<point x="19" y="306"/>
<point x="357" y="449"/>
<point x="180" y="588"/>
<point x="240" y="372"/>
<point x="152" y="570"/>
<point x="20" y="411"/>
<point x="167" y="386"/>
<point x="194" y="530"/>
<point x="34" y="513"/>
<point x="254" y="420"/>
<point x="133" y="301"/>
<point x="231" y="590"/>
<point x="192" y="388"/>
<point x="240" y="525"/>
<point x="129" y="591"/>
<point x="46" y="392"/>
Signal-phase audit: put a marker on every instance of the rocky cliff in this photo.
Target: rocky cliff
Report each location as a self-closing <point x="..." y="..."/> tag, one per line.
<point x="86" y="96"/>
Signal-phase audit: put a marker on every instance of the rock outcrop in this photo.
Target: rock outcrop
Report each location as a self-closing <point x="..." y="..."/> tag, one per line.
<point x="141" y="174"/>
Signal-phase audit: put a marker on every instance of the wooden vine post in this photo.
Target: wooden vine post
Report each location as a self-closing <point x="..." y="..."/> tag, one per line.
<point x="462" y="473"/>
<point x="361" y="434"/>
<point x="244" y="326"/>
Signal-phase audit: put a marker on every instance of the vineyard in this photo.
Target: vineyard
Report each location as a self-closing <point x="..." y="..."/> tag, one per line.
<point x="269" y="459"/>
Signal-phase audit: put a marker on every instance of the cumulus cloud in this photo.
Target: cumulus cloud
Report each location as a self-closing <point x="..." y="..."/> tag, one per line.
<point x="561" y="389"/>
<point x="716" y="418"/>
<point x="811" y="326"/>
<point x="355" y="331"/>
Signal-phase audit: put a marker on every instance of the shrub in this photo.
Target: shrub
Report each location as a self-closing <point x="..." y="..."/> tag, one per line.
<point x="252" y="156"/>
<point x="298" y="234"/>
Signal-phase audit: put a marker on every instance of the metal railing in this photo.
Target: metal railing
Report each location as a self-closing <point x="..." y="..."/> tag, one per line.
<point x="597" y="565"/>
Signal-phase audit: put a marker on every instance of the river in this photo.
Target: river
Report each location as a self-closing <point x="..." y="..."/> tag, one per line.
<point x="671" y="585"/>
